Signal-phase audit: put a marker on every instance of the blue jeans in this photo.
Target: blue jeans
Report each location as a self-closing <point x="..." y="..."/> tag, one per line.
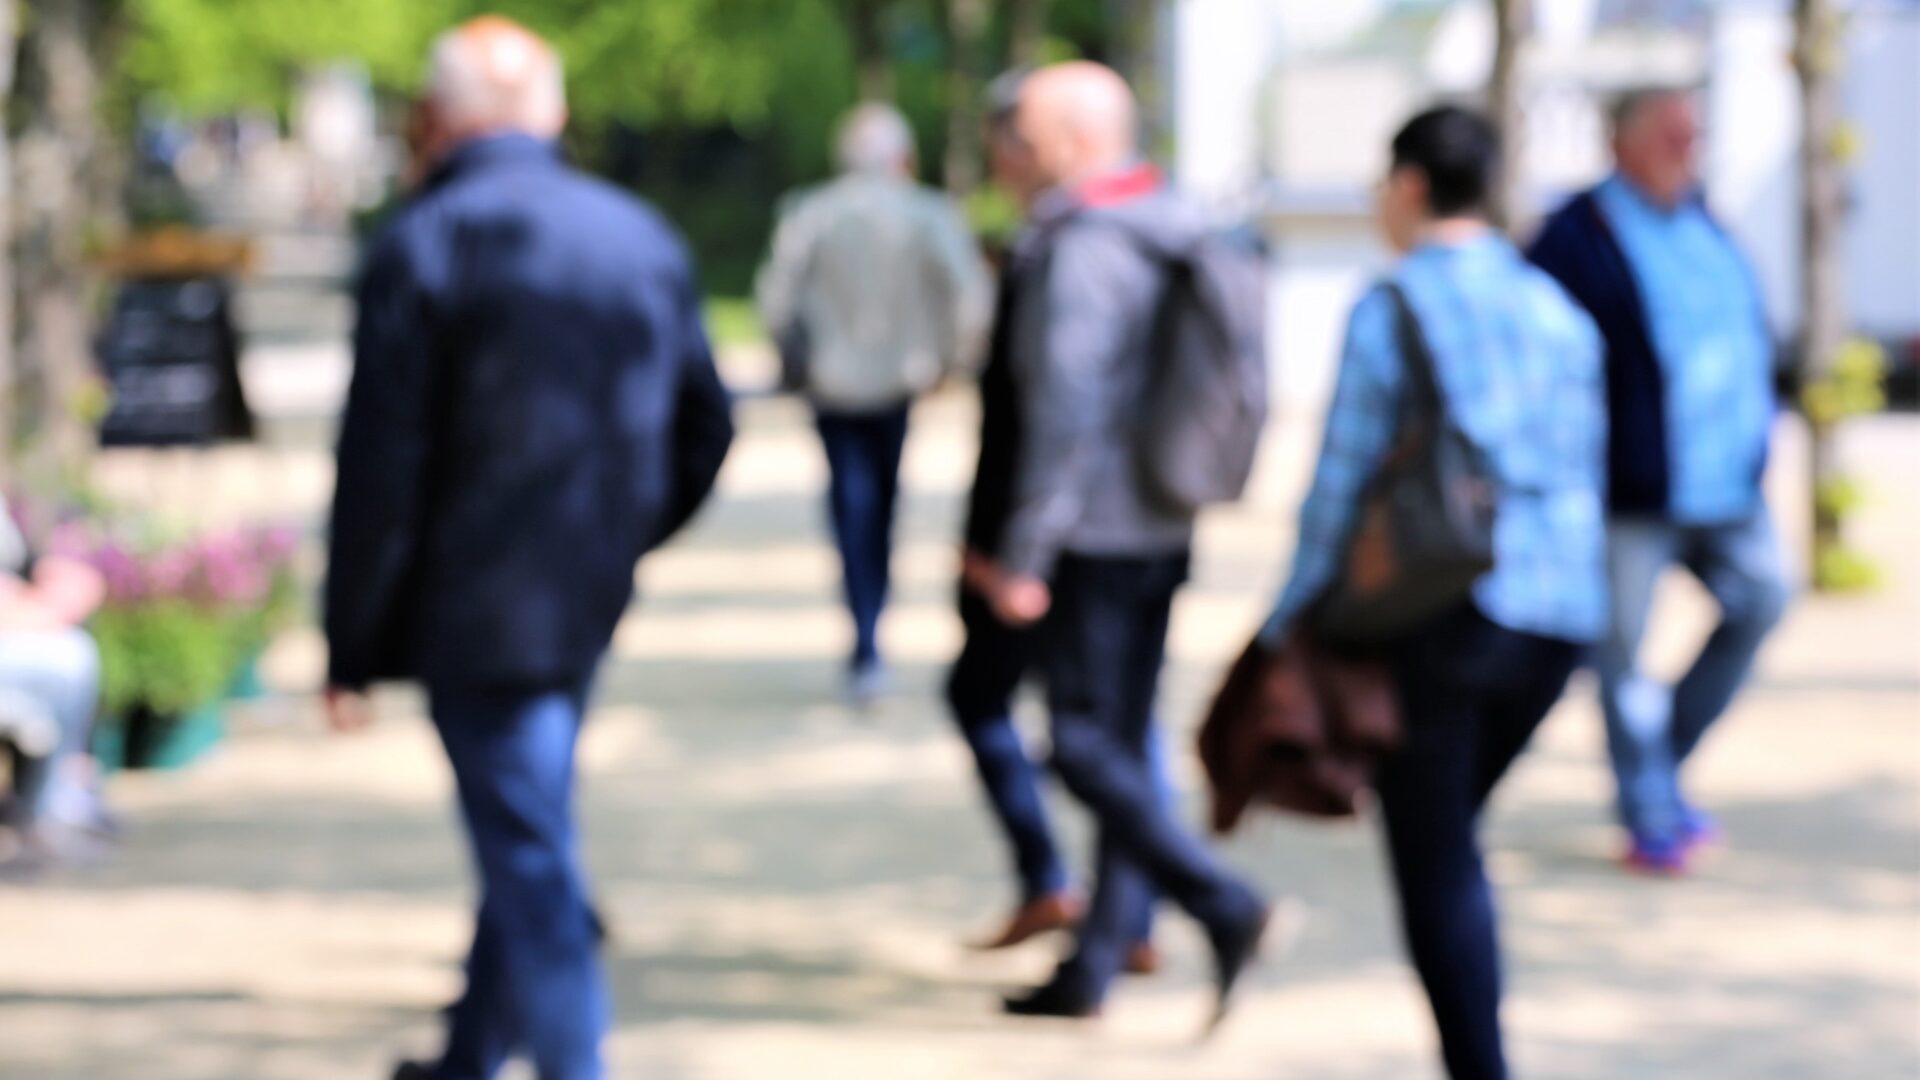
<point x="1471" y="694"/>
<point x="1103" y="647"/>
<point x="980" y="690"/>
<point x="863" y="462"/>
<point x="1652" y="728"/>
<point x="57" y="671"/>
<point x="534" y="984"/>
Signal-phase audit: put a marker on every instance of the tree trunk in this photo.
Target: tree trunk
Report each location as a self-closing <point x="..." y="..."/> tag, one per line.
<point x="1135" y="46"/>
<point x="1028" y="33"/>
<point x="966" y="36"/>
<point x="55" y="175"/>
<point x="1513" y="21"/>
<point x="1818" y="54"/>
<point x="870" y="50"/>
<point x="9" y="41"/>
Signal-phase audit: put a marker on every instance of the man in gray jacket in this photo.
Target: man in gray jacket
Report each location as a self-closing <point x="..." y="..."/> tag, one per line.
<point x="1087" y="548"/>
<point x="877" y="281"/>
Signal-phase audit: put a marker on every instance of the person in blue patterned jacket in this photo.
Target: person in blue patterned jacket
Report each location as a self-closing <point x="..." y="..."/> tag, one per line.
<point x="1518" y="367"/>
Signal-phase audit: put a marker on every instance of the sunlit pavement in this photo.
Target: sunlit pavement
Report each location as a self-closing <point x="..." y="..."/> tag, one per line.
<point x="789" y="884"/>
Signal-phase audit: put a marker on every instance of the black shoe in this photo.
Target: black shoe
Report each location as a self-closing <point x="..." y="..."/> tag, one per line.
<point x="1235" y="947"/>
<point x="413" y="1070"/>
<point x="1052" y="1000"/>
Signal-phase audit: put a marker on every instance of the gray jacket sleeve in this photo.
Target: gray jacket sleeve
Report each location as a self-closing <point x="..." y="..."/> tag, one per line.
<point x="1071" y="339"/>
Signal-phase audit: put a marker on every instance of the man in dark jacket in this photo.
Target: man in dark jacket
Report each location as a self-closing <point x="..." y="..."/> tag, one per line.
<point x="1085" y="547"/>
<point x="533" y="408"/>
<point x="1689" y="394"/>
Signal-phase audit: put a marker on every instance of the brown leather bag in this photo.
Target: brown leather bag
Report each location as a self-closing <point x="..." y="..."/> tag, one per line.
<point x="1297" y="729"/>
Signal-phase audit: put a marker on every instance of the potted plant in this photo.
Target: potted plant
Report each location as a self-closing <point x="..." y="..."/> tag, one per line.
<point x="181" y="624"/>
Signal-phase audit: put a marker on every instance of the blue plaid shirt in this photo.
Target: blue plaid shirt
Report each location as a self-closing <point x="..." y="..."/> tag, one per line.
<point x="1520" y="367"/>
<point x="1709" y="333"/>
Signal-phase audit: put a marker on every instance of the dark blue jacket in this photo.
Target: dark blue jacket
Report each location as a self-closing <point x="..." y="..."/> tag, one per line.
<point x="534" y="406"/>
<point x="1577" y="246"/>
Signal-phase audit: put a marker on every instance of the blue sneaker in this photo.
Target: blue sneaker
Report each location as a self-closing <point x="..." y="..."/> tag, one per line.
<point x="1698" y="829"/>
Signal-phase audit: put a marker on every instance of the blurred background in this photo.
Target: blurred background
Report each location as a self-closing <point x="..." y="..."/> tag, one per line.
<point x="188" y="184"/>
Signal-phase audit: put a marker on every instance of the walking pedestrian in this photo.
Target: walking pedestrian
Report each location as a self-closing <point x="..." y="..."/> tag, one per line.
<point x="533" y="408"/>
<point x="997" y="656"/>
<point x="876" y="292"/>
<point x="1087" y="547"/>
<point x="1690" y="396"/>
<point x="1516" y="366"/>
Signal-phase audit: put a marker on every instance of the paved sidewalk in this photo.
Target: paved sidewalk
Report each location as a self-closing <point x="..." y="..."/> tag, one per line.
<point x="789" y="884"/>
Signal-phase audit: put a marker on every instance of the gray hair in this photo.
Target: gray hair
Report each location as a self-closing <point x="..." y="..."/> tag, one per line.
<point x="874" y="138"/>
<point x="492" y="75"/>
<point x="1628" y="105"/>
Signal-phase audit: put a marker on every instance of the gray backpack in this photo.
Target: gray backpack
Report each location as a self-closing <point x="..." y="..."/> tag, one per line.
<point x="1206" y="399"/>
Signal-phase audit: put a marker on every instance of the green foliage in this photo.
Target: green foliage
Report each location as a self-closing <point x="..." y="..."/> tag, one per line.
<point x="1839" y="496"/>
<point x="212" y="56"/>
<point x="994" y="215"/>
<point x="732" y="321"/>
<point x="172" y="656"/>
<point x="634" y="62"/>
<point x="1838" y="568"/>
<point x="1855" y="386"/>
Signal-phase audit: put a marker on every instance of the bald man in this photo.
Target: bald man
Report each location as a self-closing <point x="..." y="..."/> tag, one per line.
<point x="1087" y="551"/>
<point x="533" y="408"/>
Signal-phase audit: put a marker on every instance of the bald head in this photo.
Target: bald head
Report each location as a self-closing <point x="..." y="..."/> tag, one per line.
<point x="1080" y="120"/>
<point x="492" y="75"/>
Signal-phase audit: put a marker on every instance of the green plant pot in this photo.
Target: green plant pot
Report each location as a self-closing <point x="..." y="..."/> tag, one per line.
<point x="144" y="739"/>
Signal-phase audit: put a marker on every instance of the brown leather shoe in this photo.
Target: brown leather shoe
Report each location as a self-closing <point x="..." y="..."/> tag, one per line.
<point x="1055" y="911"/>
<point x="1143" y="959"/>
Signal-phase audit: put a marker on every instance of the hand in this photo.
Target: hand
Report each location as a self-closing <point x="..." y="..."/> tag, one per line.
<point x="348" y="711"/>
<point x="979" y="572"/>
<point x="1022" y="600"/>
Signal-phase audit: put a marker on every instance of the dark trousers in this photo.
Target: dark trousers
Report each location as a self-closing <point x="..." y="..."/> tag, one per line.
<point x="980" y="691"/>
<point x="1104" y="645"/>
<point x="863" y="460"/>
<point x="534" y="983"/>
<point x="1472" y="694"/>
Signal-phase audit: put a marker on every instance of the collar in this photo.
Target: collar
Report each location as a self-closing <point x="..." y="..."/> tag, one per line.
<point x="1622" y="187"/>
<point x="1123" y="185"/>
<point x="490" y="151"/>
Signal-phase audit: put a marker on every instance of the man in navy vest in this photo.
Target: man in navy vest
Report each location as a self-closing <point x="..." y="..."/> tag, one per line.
<point x="1689" y="387"/>
<point x="533" y="408"/>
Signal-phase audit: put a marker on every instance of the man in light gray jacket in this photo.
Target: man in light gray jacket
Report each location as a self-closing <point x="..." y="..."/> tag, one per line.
<point x="877" y="282"/>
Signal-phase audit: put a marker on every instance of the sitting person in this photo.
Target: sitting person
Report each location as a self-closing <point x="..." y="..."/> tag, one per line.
<point x="49" y="664"/>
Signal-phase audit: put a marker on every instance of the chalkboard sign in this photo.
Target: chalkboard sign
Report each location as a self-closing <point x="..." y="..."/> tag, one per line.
<point x="172" y="357"/>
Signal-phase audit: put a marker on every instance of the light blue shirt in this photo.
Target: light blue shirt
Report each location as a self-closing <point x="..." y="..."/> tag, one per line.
<point x="1708" y="329"/>
<point x="1520" y="367"/>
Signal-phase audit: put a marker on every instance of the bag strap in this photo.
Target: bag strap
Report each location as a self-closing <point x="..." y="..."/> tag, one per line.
<point x="1415" y="354"/>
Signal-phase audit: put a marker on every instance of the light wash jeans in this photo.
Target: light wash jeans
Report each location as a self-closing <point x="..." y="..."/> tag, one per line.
<point x="1652" y="727"/>
<point x="58" y="670"/>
